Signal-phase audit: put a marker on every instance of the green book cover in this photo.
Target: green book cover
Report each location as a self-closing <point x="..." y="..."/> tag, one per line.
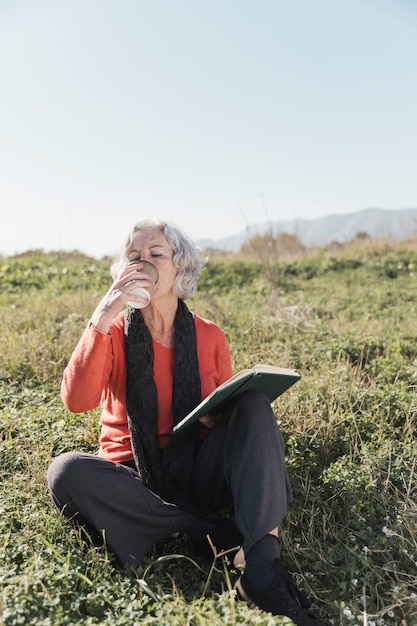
<point x="270" y="380"/>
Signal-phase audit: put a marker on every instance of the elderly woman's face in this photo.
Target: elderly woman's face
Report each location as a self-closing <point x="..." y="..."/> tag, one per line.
<point x="150" y="244"/>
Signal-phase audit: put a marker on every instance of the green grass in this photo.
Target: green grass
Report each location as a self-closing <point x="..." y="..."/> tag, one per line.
<point x="347" y="321"/>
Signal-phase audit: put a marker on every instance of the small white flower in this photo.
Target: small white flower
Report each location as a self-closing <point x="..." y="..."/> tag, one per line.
<point x="365" y="549"/>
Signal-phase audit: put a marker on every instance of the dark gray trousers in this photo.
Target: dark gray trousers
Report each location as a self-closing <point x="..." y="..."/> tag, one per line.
<point x="240" y="462"/>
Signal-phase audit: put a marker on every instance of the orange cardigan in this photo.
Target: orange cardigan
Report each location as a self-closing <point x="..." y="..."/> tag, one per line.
<point x="96" y="375"/>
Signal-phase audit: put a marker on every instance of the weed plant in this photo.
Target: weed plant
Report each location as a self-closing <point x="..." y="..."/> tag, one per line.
<point x="346" y="319"/>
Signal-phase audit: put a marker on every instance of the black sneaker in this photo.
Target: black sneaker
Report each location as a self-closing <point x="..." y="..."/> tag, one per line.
<point x="281" y="597"/>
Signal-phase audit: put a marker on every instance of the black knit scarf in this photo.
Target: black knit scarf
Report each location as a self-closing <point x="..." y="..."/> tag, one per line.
<point x="167" y="472"/>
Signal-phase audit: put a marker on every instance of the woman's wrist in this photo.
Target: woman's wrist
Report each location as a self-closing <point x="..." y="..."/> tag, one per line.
<point x="103" y="317"/>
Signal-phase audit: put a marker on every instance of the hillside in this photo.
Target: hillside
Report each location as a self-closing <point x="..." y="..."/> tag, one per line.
<point x="398" y="225"/>
<point x="345" y="319"/>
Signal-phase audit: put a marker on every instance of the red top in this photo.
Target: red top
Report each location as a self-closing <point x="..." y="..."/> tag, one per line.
<point x="96" y="375"/>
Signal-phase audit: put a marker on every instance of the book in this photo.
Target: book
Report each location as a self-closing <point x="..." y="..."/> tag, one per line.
<point x="270" y="380"/>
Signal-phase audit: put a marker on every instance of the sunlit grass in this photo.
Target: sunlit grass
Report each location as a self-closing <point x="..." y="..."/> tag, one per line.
<point x="346" y="320"/>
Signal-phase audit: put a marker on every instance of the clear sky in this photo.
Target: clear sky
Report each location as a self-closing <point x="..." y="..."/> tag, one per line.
<point x="215" y="114"/>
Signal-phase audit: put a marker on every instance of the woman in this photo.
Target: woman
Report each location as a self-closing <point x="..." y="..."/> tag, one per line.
<point x="148" y="367"/>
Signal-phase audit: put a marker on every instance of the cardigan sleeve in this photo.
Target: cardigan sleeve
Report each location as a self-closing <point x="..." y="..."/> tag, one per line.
<point x="88" y="371"/>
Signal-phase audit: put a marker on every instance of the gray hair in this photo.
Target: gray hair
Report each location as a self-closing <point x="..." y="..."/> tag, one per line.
<point x="188" y="258"/>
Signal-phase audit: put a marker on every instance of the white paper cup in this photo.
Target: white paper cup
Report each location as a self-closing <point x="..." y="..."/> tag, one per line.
<point x="139" y="291"/>
<point x="147" y="268"/>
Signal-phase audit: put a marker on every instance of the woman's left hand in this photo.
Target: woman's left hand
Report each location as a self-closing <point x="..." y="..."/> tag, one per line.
<point x="209" y="420"/>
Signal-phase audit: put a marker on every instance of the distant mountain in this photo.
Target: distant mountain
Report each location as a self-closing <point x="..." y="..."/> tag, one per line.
<point x="399" y="224"/>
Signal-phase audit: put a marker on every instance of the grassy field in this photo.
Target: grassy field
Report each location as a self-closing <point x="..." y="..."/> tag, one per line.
<point x="347" y="321"/>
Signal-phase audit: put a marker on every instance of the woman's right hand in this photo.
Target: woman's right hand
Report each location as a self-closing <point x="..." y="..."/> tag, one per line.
<point x="119" y="293"/>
